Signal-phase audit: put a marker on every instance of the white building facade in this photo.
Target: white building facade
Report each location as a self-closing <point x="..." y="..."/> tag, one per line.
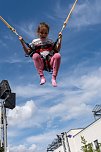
<point x="71" y="140"/>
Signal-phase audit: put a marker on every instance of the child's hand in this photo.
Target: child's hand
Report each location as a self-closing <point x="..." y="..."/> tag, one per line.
<point x="20" y="38"/>
<point x="60" y="35"/>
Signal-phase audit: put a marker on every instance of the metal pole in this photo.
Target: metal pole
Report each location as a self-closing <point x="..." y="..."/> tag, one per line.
<point x="0" y="124"/>
<point x="63" y="142"/>
<point x="5" y="128"/>
<point x="67" y="142"/>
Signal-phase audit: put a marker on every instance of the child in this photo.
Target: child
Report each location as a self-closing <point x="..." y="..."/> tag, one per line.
<point x="46" y="53"/>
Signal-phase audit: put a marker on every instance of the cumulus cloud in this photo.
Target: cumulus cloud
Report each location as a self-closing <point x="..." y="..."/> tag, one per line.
<point x="42" y="139"/>
<point x="21" y="114"/>
<point x="75" y="102"/>
<point x="22" y="148"/>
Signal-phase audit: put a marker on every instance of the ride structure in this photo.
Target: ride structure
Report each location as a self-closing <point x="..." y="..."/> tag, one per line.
<point x="7" y="100"/>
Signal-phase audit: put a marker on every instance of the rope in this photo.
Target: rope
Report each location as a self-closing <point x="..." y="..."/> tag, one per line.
<point x="65" y="22"/>
<point x="11" y="28"/>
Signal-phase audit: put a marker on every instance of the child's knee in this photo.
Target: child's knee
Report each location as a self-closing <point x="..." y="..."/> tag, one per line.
<point x="57" y="56"/>
<point x="35" y="56"/>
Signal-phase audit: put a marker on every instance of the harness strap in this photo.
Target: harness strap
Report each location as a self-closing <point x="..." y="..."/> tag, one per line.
<point x="36" y="48"/>
<point x="46" y="63"/>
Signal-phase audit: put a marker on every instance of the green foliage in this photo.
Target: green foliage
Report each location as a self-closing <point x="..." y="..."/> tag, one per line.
<point x="1" y="149"/>
<point x="88" y="147"/>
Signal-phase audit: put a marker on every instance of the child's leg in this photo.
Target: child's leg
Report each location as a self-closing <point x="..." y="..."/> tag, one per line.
<point x="39" y="65"/>
<point x="55" y="64"/>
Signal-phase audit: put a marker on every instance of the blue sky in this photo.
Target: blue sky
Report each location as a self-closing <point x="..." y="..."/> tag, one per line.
<point x="43" y="111"/>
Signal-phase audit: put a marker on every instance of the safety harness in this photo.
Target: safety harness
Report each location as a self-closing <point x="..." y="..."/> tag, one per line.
<point x="46" y="59"/>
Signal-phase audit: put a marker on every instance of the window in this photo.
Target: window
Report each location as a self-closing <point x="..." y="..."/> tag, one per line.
<point x="96" y="144"/>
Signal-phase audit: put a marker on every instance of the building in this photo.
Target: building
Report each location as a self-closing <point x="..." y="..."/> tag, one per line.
<point x="71" y="141"/>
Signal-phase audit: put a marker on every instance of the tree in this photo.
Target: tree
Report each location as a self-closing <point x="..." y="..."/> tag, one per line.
<point x="1" y="149"/>
<point x="88" y="147"/>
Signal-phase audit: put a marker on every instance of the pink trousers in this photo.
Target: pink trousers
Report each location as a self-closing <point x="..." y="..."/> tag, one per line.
<point x="54" y="63"/>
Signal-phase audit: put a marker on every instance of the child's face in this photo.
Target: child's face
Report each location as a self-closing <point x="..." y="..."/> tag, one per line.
<point x="43" y="33"/>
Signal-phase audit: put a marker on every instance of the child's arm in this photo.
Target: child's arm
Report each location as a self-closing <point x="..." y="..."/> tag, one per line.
<point x="26" y="49"/>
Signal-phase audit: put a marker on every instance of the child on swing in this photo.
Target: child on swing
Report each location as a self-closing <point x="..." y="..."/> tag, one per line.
<point x="45" y="50"/>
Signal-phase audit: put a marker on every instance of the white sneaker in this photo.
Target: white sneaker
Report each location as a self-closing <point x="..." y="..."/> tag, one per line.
<point x="42" y="80"/>
<point x="54" y="84"/>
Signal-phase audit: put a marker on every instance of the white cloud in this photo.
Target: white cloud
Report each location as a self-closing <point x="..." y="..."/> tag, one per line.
<point x="22" y="148"/>
<point x="78" y="92"/>
<point x="42" y="140"/>
<point x="30" y="90"/>
<point x="35" y="143"/>
<point x="79" y="110"/>
<point x="86" y="13"/>
<point x="77" y="102"/>
<point x="28" y="29"/>
<point x="41" y="137"/>
<point x="22" y="114"/>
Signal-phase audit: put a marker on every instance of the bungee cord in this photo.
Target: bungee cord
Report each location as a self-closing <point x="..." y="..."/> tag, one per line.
<point x="12" y="29"/>
<point x="64" y="24"/>
<point x="66" y="21"/>
<point x="9" y="26"/>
